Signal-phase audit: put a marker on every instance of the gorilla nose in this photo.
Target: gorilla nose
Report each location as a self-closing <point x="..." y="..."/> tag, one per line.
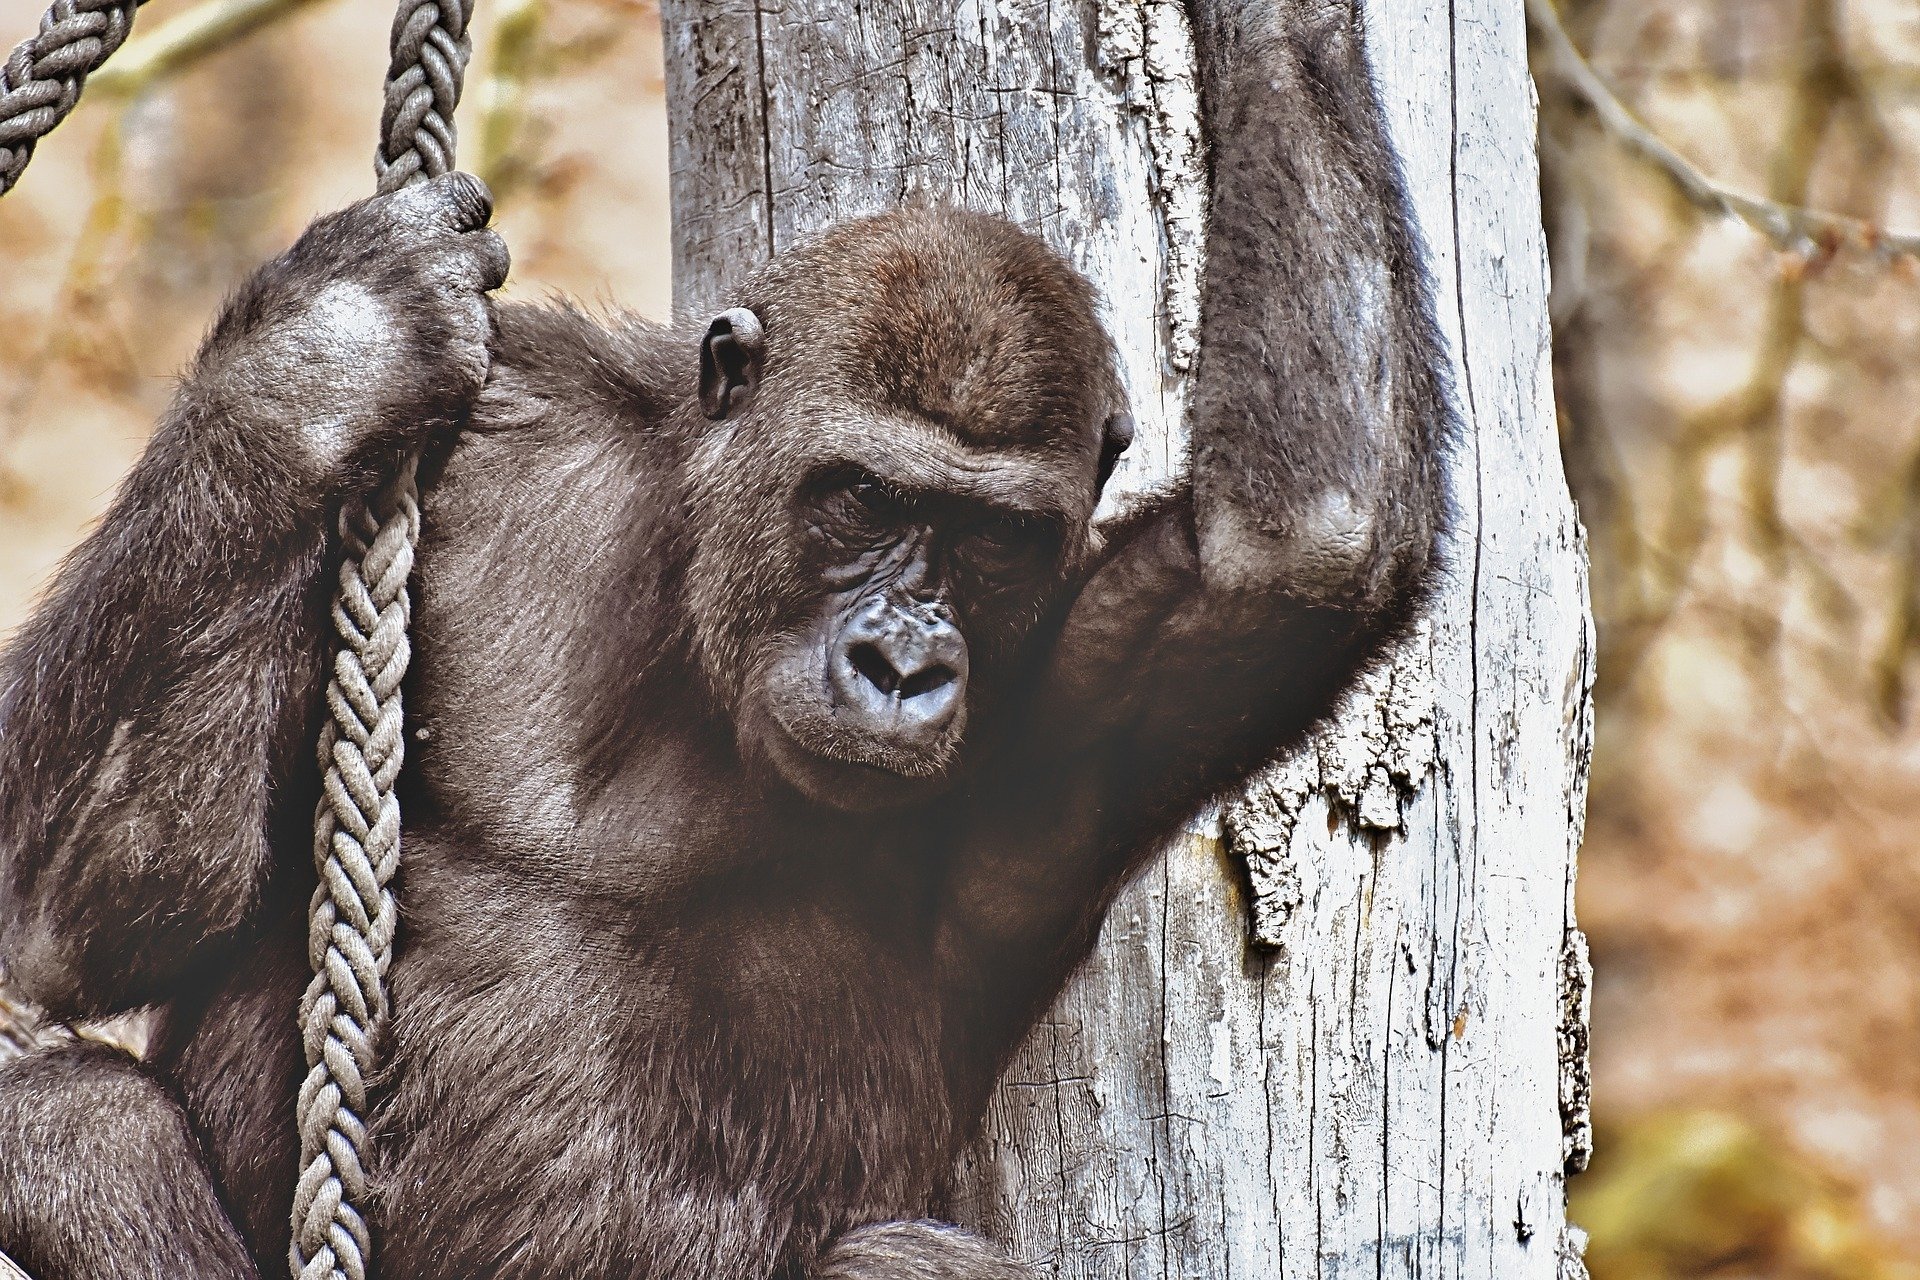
<point x="901" y="669"/>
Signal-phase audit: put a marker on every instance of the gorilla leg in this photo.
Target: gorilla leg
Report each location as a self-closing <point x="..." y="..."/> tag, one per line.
<point x="914" y="1251"/>
<point x="100" y="1175"/>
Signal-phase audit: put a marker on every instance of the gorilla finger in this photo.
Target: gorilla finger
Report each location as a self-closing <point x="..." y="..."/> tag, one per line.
<point x="471" y="196"/>
<point x="453" y="201"/>
<point x="469" y="199"/>
<point x="490" y="258"/>
<point x="932" y="1250"/>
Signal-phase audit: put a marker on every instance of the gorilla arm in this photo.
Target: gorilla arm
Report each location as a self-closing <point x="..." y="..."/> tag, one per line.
<point x="1224" y="619"/>
<point x="155" y="707"/>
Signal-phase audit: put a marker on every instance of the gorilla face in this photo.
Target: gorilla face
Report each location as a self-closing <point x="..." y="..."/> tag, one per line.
<point x="895" y="586"/>
<point x="904" y="450"/>
<point x="870" y="699"/>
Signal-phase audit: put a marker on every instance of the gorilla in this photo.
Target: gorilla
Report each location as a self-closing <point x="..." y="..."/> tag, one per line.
<point x="785" y="721"/>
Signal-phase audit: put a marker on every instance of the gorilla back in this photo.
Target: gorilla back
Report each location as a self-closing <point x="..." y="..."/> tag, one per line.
<point x="784" y="721"/>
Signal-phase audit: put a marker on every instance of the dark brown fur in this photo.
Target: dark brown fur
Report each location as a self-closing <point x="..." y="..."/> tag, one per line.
<point x="683" y="991"/>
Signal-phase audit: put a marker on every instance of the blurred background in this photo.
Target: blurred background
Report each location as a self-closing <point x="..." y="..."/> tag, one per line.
<point x="1740" y="414"/>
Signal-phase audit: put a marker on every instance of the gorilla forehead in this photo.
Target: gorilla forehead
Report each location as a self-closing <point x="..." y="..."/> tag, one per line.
<point x="953" y="317"/>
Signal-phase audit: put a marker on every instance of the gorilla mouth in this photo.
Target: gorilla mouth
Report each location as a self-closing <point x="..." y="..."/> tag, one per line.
<point x="855" y="709"/>
<point x="828" y="735"/>
<point x="831" y="768"/>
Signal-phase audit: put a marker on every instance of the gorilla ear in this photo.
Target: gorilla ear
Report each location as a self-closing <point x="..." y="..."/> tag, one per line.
<point x="1115" y="436"/>
<point x="730" y="358"/>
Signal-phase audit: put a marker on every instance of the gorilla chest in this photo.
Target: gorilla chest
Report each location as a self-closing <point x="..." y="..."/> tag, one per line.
<point x="729" y="1076"/>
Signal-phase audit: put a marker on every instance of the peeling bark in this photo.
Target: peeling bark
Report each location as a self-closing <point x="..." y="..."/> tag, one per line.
<point x="1371" y="758"/>
<point x="1576" y="1073"/>
<point x="1339" y="1031"/>
<point x="1149" y="44"/>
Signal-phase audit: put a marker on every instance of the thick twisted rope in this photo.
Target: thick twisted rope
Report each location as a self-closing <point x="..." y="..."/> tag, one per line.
<point x="356" y="849"/>
<point x="430" y="53"/>
<point x="41" y="79"/>
<point x="344" y="1015"/>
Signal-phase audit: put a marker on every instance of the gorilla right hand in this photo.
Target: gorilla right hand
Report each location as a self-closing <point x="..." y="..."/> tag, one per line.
<point x="368" y="336"/>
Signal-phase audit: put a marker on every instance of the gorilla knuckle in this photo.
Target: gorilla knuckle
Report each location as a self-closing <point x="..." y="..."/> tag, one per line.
<point x="487" y="252"/>
<point x="454" y="202"/>
<point x="469" y="201"/>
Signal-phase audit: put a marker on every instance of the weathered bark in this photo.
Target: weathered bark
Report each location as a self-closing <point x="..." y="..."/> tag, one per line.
<point x="1342" y="1032"/>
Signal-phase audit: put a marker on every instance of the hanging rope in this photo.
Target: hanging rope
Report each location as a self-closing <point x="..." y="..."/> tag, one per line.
<point x="356" y="839"/>
<point x="356" y="848"/>
<point x="430" y="53"/>
<point x="42" y="78"/>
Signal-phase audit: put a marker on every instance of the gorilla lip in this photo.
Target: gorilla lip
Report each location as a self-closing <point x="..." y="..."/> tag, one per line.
<point x="847" y="784"/>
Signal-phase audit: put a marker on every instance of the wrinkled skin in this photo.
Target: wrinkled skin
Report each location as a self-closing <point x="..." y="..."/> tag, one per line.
<point x="783" y="722"/>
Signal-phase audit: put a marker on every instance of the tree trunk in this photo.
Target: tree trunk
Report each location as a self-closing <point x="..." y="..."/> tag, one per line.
<point x="1340" y="1030"/>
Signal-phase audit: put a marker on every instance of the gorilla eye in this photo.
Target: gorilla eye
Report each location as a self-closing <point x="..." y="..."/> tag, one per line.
<point x="879" y="502"/>
<point x="1006" y="543"/>
<point x="1002" y="535"/>
<point x="870" y="495"/>
<point x="859" y="507"/>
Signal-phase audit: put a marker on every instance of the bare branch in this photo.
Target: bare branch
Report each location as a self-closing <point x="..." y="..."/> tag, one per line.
<point x="206" y="28"/>
<point x="1791" y="227"/>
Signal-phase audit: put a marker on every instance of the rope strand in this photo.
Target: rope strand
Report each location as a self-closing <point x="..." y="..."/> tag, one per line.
<point x="40" y="81"/>
<point x="356" y="843"/>
<point x="356" y="850"/>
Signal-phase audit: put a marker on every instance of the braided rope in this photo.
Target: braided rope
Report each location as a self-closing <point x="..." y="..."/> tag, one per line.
<point x="40" y="81"/>
<point x="356" y="850"/>
<point x="430" y="53"/>
<point x="356" y="845"/>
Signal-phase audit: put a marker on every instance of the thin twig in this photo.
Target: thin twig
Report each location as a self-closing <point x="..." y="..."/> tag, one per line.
<point x="204" y="29"/>
<point x="1791" y="227"/>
